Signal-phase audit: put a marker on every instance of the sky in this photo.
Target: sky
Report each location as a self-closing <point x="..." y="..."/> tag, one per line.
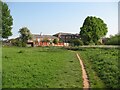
<point x="53" y="17"/>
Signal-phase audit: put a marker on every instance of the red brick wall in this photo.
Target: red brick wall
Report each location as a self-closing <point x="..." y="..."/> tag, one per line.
<point x="48" y="44"/>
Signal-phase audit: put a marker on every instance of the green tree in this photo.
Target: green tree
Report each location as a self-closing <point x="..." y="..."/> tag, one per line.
<point x="55" y="41"/>
<point x="0" y="22"/>
<point x="25" y="35"/>
<point x="92" y="30"/>
<point x="7" y="21"/>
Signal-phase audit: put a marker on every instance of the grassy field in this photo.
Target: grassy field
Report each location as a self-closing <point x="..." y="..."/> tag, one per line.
<point x="0" y="67"/>
<point x="102" y="66"/>
<point x="52" y="67"/>
<point x="40" y="68"/>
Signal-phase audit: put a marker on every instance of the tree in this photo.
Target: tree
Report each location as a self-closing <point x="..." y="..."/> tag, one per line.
<point x="25" y="35"/>
<point x="55" y="41"/>
<point x="92" y="30"/>
<point x="7" y="21"/>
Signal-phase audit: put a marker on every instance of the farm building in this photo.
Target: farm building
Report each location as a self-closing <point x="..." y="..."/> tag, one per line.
<point x="44" y="40"/>
<point x="47" y="40"/>
<point x="66" y="37"/>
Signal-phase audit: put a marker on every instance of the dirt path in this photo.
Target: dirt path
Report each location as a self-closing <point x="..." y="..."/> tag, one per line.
<point x="84" y="74"/>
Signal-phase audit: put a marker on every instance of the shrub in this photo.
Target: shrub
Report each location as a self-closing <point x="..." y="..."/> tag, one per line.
<point x="77" y="42"/>
<point x="113" y="40"/>
<point x="18" y="42"/>
<point x="91" y="43"/>
<point x="45" y="40"/>
<point x="21" y="51"/>
<point x="55" y="41"/>
<point x="99" y="43"/>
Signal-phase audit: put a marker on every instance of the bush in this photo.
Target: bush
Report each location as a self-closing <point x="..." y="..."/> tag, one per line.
<point x="45" y="40"/>
<point x="17" y="42"/>
<point x="21" y="51"/>
<point x="91" y="43"/>
<point x="114" y="40"/>
<point x="99" y="43"/>
<point x="77" y="42"/>
<point x="55" y="41"/>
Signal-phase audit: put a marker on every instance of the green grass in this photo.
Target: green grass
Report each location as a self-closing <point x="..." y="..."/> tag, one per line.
<point x="53" y="67"/>
<point x="102" y="67"/>
<point x="40" y="68"/>
<point x="0" y="67"/>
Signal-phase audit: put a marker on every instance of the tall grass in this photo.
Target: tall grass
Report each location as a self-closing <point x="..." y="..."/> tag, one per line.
<point x="104" y="64"/>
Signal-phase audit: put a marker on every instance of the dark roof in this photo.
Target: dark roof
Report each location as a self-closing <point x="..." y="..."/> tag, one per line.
<point x="65" y="34"/>
<point x="60" y="33"/>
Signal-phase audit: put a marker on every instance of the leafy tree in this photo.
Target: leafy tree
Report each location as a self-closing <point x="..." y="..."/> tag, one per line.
<point x="0" y="17"/>
<point x="25" y="35"/>
<point x="92" y="30"/>
<point x="7" y="21"/>
<point x="55" y="41"/>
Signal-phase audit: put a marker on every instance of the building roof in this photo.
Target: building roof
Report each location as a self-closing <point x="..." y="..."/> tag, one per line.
<point x="60" y="33"/>
<point x="65" y="34"/>
<point x="44" y="36"/>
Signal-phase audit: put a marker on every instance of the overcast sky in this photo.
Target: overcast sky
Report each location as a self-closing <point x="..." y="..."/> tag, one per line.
<point x="54" y="17"/>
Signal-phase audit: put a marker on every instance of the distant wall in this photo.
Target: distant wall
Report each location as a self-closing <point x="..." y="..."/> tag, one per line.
<point x="48" y="44"/>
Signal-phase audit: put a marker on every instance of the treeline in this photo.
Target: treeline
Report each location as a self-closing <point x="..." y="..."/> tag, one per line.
<point x="113" y="40"/>
<point x="91" y="32"/>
